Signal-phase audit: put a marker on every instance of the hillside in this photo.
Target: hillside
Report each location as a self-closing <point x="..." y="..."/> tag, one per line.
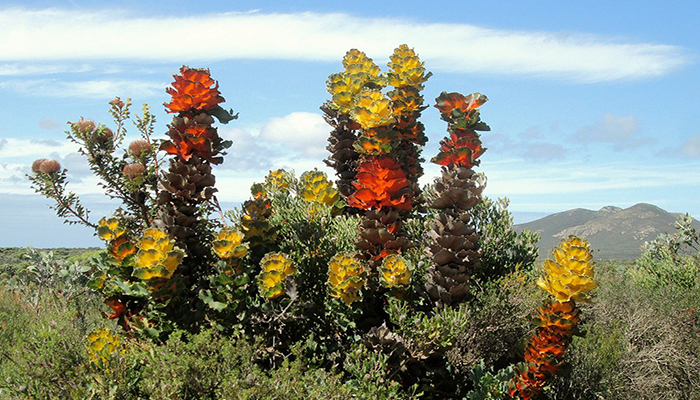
<point x="613" y="232"/>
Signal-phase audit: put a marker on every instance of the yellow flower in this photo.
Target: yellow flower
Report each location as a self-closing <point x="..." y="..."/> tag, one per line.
<point x="406" y="68"/>
<point x="228" y="244"/>
<point x="345" y="277"/>
<point x="276" y="267"/>
<point x="356" y="61"/>
<point x="109" y="229"/>
<point x="315" y="187"/>
<point x="570" y="275"/>
<point x="157" y="256"/>
<point x="360" y="71"/>
<point x="394" y="271"/>
<point x="372" y="109"/>
<point x="101" y="344"/>
<point x="278" y="179"/>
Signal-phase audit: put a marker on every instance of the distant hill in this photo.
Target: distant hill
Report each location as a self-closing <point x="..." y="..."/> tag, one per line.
<point x="613" y="232"/>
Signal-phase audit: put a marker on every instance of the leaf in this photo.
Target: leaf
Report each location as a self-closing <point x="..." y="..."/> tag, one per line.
<point x="207" y="298"/>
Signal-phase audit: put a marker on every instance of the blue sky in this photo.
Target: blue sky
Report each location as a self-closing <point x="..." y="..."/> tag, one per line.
<point x="591" y="103"/>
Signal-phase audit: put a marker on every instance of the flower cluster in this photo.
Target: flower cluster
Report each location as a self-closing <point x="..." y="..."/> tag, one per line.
<point x="101" y="344"/>
<point x="157" y="256"/>
<point x="381" y="182"/>
<point x="111" y="231"/>
<point x="346" y="276"/>
<point x="316" y="188"/>
<point x="196" y="98"/>
<point x="570" y="275"/>
<point x="276" y="267"/>
<point x="228" y="244"/>
<point x="394" y="272"/>
<point x="360" y="72"/>
<point x="463" y="147"/>
<point x="193" y="90"/>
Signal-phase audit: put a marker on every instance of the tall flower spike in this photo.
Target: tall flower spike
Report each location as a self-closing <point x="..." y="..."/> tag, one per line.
<point x="544" y="355"/>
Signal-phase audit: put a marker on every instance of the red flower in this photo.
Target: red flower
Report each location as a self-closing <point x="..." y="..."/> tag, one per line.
<point x="193" y="90"/>
<point x="381" y="182"/>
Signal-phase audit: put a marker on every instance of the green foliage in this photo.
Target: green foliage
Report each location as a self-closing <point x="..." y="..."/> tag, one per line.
<point x="671" y="260"/>
<point x="503" y="248"/>
<point x="489" y="384"/>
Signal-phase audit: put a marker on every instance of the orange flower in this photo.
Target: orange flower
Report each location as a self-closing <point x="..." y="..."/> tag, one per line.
<point x="121" y="247"/>
<point x="545" y="353"/>
<point x="381" y="182"/>
<point x="449" y="102"/>
<point x="463" y="149"/>
<point x="193" y="90"/>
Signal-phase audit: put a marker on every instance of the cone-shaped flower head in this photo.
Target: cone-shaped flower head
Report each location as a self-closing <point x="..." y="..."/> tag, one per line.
<point x="570" y="275"/>
<point x="101" y="344"/>
<point x="275" y="269"/>
<point x="360" y="71"/>
<point x="316" y="188"/>
<point x="134" y="170"/>
<point x="193" y="90"/>
<point x="394" y="271"/>
<point x="109" y="229"/>
<point x="157" y="256"/>
<point x="372" y="109"/>
<point x="463" y="147"/>
<point x="138" y="149"/>
<point x="228" y="244"/>
<point x="46" y="166"/>
<point x="406" y="68"/>
<point x="381" y="182"/>
<point x="346" y="276"/>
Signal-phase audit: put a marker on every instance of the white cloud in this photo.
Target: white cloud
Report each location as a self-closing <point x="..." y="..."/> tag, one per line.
<point x="303" y="132"/>
<point x="30" y="149"/>
<point x="53" y="35"/>
<point x="92" y="89"/>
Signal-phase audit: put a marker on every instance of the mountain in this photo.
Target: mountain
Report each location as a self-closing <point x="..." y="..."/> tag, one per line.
<point x="613" y="232"/>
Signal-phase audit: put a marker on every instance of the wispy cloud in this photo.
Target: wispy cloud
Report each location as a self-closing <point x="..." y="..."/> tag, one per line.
<point x="53" y="35"/>
<point x="623" y="132"/>
<point x="21" y="69"/>
<point x="92" y="89"/>
<point x="691" y="147"/>
<point x="513" y="178"/>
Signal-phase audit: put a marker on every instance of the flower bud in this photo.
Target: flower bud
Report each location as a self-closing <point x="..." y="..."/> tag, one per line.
<point x="49" y="166"/>
<point x="36" y="164"/>
<point x="133" y="170"/>
<point x="137" y="148"/>
<point x="83" y="127"/>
